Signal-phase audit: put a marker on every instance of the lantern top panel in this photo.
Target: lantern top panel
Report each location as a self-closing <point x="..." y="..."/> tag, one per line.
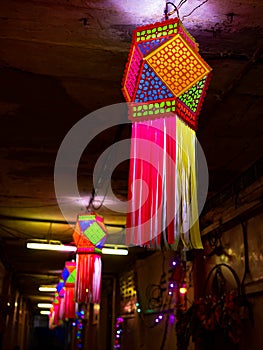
<point x="160" y="30"/>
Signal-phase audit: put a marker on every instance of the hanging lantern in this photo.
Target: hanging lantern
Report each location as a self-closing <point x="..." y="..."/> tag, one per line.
<point x="51" y="316"/>
<point x="61" y="296"/>
<point x="89" y="236"/>
<point x="165" y="83"/>
<point x="69" y="276"/>
<point x="54" y="314"/>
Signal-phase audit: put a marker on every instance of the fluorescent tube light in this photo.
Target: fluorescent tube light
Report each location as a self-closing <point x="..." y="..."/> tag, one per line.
<point x="47" y="289"/>
<point x="44" y="312"/>
<point x="44" y="305"/>
<point x="114" y="251"/>
<point x="57" y="246"/>
<point x="51" y="246"/>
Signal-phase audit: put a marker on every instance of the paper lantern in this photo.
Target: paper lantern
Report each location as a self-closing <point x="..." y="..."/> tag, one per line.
<point x="165" y="83"/>
<point x="54" y="315"/>
<point x="89" y="236"/>
<point x="165" y="74"/>
<point x="61" y="294"/>
<point x="69" y="276"/>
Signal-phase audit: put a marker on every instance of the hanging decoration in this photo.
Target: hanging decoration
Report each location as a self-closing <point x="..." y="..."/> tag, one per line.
<point x="165" y="83"/>
<point x="69" y="276"/>
<point x="89" y="236"/>
<point x="54" y="314"/>
<point x="61" y="296"/>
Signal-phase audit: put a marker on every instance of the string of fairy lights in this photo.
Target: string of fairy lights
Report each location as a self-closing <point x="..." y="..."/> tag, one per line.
<point x="176" y="292"/>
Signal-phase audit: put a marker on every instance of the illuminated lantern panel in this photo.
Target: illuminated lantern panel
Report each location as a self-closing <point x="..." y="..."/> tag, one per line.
<point x="89" y="236"/>
<point x="165" y="74"/>
<point x="92" y="228"/>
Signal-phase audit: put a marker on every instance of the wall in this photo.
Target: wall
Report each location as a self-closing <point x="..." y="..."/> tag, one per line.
<point x="14" y="315"/>
<point x="236" y="256"/>
<point x="139" y="329"/>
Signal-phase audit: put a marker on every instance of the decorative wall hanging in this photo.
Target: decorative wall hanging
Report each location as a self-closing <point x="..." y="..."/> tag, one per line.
<point x="165" y="83"/>
<point x="218" y="318"/>
<point x="69" y="276"/>
<point x="89" y="236"/>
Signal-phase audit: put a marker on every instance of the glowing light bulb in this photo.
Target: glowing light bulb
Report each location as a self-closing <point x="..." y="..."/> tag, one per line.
<point x="183" y="290"/>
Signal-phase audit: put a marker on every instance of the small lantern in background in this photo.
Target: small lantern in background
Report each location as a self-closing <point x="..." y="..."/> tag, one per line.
<point x="61" y="296"/>
<point x="54" y="319"/>
<point x="89" y="236"/>
<point x="69" y="276"/>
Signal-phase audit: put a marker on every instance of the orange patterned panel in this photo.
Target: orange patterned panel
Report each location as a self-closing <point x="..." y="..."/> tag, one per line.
<point x="177" y="65"/>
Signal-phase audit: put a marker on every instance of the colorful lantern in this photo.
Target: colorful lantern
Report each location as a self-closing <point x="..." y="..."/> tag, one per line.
<point x="51" y="322"/>
<point x="69" y="276"/>
<point x="54" y="318"/>
<point x="61" y="295"/>
<point x="61" y="288"/>
<point x="89" y="236"/>
<point x="165" y="75"/>
<point x="165" y="83"/>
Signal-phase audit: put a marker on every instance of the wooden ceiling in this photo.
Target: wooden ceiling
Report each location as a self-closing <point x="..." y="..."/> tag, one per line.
<point x="62" y="60"/>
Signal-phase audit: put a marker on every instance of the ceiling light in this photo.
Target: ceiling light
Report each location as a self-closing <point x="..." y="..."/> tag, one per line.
<point x="114" y="251"/>
<point x="50" y="245"/>
<point x="44" y="312"/>
<point x="47" y="289"/>
<point x="44" y="305"/>
<point x="58" y="246"/>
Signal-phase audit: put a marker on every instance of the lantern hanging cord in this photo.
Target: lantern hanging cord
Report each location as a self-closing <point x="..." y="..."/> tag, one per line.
<point x="189" y="14"/>
<point x="90" y="207"/>
<point x="166" y="11"/>
<point x="175" y="8"/>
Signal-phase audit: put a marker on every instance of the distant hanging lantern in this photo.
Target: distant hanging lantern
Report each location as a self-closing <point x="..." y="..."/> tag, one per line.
<point x="54" y="319"/>
<point x="52" y="316"/>
<point x="165" y="83"/>
<point x="61" y="295"/>
<point x="69" y="276"/>
<point x="89" y="236"/>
